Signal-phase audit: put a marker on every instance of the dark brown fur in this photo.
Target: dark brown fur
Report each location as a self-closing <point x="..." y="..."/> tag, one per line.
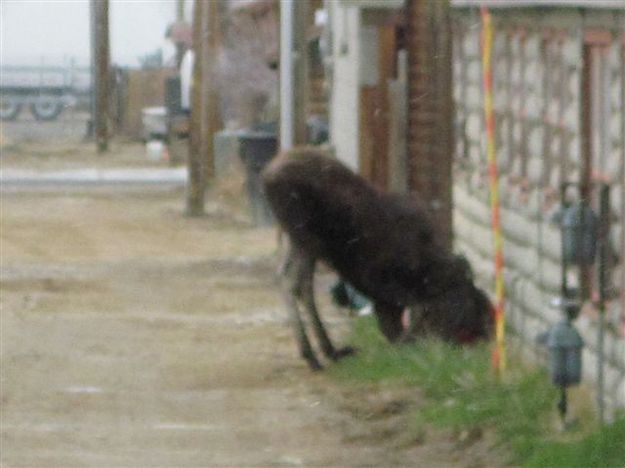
<point x="383" y="244"/>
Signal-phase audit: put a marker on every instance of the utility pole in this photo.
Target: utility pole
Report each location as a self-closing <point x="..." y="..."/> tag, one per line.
<point x="210" y="85"/>
<point x="100" y="15"/>
<point x="293" y="72"/>
<point x="196" y="187"/>
<point x="204" y="103"/>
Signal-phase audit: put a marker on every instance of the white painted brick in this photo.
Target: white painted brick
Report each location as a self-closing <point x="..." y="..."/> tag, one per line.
<point x="471" y="44"/>
<point x="533" y="106"/>
<point x="617" y="278"/>
<point x="620" y="395"/>
<point x="615" y="93"/>
<point x="539" y="302"/>
<point x="532" y="47"/>
<point x="615" y="128"/>
<point x="474" y="72"/>
<point x="554" y="177"/>
<point x="571" y="52"/>
<point x="533" y="75"/>
<point x="515" y="72"/>
<point x="473" y="126"/>
<point x="534" y="203"/>
<point x="473" y="97"/>
<point x="574" y="85"/>
<point x="475" y="154"/>
<point x="617" y="235"/>
<point x="613" y="164"/>
<point x="552" y="241"/>
<point x="535" y="144"/>
<point x="574" y="152"/>
<point x="570" y="118"/>
<point x="516" y="226"/>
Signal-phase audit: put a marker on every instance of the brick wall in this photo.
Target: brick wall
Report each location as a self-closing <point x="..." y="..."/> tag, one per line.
<point x="538" y="65"/>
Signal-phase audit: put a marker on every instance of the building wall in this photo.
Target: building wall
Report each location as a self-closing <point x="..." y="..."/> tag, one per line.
<point x="344" y="100"/>
<point x="537" y="90"/>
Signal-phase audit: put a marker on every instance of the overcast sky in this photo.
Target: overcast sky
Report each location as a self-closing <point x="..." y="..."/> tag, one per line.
<point x="32" y="29"/>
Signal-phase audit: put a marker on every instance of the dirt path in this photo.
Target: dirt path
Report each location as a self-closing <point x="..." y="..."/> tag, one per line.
<point x="133" y="337"/>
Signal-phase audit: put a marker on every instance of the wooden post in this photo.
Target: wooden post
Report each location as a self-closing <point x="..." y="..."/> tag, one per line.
<point x="196" y="184"/>
<point x="300" y="70"/>
<point x="101" y="73"/>
<point x="430" y="109"/>
<point x="204" y="103"/>
<point x="209" y="84"/>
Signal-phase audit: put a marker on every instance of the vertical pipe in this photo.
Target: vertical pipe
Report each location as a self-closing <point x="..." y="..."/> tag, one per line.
<point x="604" y="216"/>
<point x="286" y="75"/>
<point x="564" y="261"/>
<point x="622" y="324"/>
<point x="92" y="101"/>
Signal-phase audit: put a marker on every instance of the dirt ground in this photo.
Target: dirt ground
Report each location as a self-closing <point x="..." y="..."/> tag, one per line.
<point x="133" y="336"/>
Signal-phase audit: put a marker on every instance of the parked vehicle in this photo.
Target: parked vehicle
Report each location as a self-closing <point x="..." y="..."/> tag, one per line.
<point x="45" y="90"/>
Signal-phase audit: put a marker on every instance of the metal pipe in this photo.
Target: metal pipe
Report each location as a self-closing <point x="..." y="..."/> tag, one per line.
<point x="286" y="75"/>
<point x="604" y="216"/>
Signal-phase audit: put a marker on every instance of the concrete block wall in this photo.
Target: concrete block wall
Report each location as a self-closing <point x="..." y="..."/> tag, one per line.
<point x="537" y="91"/>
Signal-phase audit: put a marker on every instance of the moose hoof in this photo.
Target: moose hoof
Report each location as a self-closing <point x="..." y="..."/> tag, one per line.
<point x="314" y="365"/>
<point x="344" y="352"/>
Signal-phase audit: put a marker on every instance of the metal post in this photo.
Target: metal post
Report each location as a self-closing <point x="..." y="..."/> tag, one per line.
<point x="92" y="70"/>
<point x="604" y="252"/>
<point x="286" y="74"/>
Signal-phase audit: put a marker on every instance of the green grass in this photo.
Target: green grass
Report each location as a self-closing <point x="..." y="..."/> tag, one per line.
<point x="602" y="449"/>
<point x="462" y="392"/>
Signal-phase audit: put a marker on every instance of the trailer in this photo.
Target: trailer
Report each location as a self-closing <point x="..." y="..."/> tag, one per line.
<point x="45" y="90"/>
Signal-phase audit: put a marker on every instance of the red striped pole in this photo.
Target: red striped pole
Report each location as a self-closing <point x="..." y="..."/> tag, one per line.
<point x="499" y="351"/>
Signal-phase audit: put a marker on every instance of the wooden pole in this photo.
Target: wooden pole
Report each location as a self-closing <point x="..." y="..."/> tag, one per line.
<point x="300" y="70"/>
<point x="209" y="84"/>
<point x="205" y="120"/>
<point x="195" y="166"/>
<point x="101" y="73"/>
<point x="430" y="109"/>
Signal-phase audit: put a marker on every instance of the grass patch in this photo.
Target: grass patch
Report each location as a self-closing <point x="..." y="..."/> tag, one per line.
<point x="603" y="449"/>
<point x="462" y="393"/>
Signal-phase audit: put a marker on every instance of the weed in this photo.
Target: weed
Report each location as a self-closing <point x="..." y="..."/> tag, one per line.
<point x="462" y="393"/>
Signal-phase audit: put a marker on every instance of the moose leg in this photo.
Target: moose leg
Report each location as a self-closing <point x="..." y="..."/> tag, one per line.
<point x="291" y="288"/>
<point x="389" y="321"/>
<point x="308" y="298"/>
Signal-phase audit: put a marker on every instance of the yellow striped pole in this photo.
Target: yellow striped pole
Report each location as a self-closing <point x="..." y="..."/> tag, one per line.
<point x="499" y="350"/>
